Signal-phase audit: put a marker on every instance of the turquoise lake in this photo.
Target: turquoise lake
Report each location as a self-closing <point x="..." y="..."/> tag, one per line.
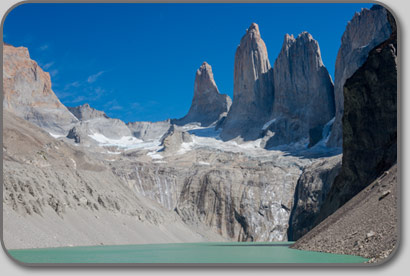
<point x="231" y="252"/>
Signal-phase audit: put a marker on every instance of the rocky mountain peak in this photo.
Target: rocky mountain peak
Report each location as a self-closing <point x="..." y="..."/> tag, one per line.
<point x="253" y="29"/>
<point x="86" y="112"/>
<point x="208" y="105"/>
<point x="253" y="88"/>
<point x="28" y="94"/>
<point x="303" y="91"/>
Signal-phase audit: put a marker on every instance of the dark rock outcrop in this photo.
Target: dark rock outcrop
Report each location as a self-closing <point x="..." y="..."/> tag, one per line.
<point x="208" y="105"/>
<point x="366" y="30"/>
<point x="173" y="139"/>
<point x="304" y="98"/>
<point x="369" y="124"/>
<point x="253" y="89"/>
<point x="311" y="190"/>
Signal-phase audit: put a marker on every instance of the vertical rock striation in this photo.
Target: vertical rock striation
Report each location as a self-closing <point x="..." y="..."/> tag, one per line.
<point x="253" y="89"/>
<point x="366" y="30"/>
<point x="208" y="105"/>
<point x="369" y="124"/>
<point x="304" y="99"/>
<point x="28" y="94"/>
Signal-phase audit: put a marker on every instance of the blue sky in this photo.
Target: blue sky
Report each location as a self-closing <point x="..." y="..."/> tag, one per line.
<point x="137" y="62"/>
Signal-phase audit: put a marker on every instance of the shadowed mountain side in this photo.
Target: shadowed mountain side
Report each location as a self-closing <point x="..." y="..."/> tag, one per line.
<point x="363" y="32"/>
<point x="369" y="124"/>
<point x="366" y="226"/>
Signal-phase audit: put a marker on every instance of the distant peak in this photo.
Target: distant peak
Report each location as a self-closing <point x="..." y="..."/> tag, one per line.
<point x="253" y="28"/>
<point x="305" y="36"/>
<point x="205" y="66"/>
<point x="289" y="37"/>
<point x="206" y="69"/>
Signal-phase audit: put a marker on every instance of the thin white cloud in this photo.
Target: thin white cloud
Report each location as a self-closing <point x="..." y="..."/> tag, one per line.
<point x="113" y="105"/>
<point x="74" y="84"/>
<point x="54" y="72"/>
<point x="44" y="47"/>
<point x="78" y="99"/>
<point x="48" y="65"/>
<point x="94" y="77"/>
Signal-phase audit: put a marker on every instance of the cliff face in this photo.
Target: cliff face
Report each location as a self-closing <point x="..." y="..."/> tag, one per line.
<point x="253" y="89"/>
<point x="366" y="30"/>
<point x="369" y="124"/>
<point x="303" y="91"/>
<point x="208" y="105"/>
<point x="28" y="94"/>
<point x="311" y="190"/>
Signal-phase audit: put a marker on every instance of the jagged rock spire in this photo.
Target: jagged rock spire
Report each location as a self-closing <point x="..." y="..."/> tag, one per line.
<point x="208" y="105"/>
<point x="253" y="88"/>
<point x="303" y="90"/>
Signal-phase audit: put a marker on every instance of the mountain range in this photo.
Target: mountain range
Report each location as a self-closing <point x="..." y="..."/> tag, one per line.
<point x="264" y="166"/>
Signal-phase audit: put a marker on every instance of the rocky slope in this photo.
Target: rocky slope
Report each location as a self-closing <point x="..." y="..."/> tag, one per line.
<point x="253" y="89"/>
<point x="367" y="225"/>
<point x="304" y="99"/>
<point x="363" y="32"/>
<point x="208" y="105"/>
<point x="58" y="195"/>
<point x="27" y="92"/>
<point x="369" y="124"/>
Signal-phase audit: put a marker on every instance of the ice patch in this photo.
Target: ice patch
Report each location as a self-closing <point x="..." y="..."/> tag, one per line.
<point x="154" y="155"/>
<point x="124" y="141"/>
<point x="113" y="152"/>
<point x="267" y="124"/>
<point x="203" y="163"/>
<point x="56" y="135"/>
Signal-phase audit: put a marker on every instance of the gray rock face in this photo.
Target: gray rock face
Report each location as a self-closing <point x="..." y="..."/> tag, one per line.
<point x="303" y="91"/>
<point x="85" y="112"/>
<point x="173" y="139"/>
<point x="27" y="92"/>
<point x="208" y="105"/>
<point x="99" y="129"/>
<point x="95" y="125"/>
<point x="369" y="124"/>
<point x="241" y="198"/>
<point x="147" y="131"/>
<point x="253" y="89"/>
<point x="366" y="30"/>
<point x="311" y="191"/>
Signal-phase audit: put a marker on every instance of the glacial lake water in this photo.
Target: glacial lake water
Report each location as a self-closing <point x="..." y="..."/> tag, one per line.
<point x="231" y="252"/>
